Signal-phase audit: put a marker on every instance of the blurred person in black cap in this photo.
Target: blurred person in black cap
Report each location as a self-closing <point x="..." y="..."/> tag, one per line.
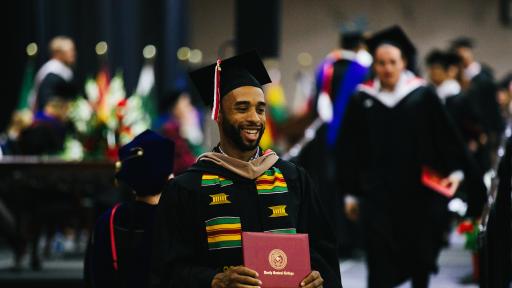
<point x="395" y="132"/>
<point x="234" y="188"/>
<point x="54" y="73"/>
<point x="119" y="252"/>
<point x="481" y="90"/>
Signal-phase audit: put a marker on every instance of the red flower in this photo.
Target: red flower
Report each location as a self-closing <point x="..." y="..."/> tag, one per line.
<point x="465" y="227"/>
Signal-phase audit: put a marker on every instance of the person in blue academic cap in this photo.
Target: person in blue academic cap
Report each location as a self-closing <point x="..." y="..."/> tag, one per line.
<point x="120" y="248"/>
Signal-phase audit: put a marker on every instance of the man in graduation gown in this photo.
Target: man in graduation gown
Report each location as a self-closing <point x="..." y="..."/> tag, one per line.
<point x="396" y="129"/>
<point x="119" y="252"/>
<point x="481" y="91"/>
<point x="56" y="72"/>
<point x="236" y="188"/>
<point x="444" y="71"/>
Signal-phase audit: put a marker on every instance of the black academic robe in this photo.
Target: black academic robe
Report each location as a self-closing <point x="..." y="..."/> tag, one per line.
<point x="133" y="234"/>
<point x="382" y="152"/>
<point x="482" y="94"/>
<point x="317" y="160"/>
<point x="50" y="87"/>
<point x="183" y="255"/>
<point x="496" y="239"/>
<point x="43" y="137"/>
<point x="464" y="116"/>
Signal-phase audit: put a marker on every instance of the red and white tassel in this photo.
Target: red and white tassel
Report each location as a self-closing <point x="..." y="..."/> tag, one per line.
<point x="216" y="91"/>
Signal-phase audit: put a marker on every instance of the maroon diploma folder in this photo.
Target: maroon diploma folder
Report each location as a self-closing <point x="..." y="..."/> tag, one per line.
<point x="281" y="260"/>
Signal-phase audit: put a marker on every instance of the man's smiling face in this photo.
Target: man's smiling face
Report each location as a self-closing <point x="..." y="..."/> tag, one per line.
<point x="242" y="117"/>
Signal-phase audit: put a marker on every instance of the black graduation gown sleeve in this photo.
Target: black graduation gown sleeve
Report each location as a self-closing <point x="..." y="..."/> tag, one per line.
<point x="177" y="261"/>
<point x="348" y="152"/>
<point x="98" y="267"/>
<point x="48" y="89"/>
<point x="450" y="153"/>
<point x="499" y="236"/>
<point x="491" y="106"/>
<point x="323" y="246"/>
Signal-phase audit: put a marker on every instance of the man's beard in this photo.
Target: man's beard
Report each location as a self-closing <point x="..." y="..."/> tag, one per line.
<point x="233" y="133"/>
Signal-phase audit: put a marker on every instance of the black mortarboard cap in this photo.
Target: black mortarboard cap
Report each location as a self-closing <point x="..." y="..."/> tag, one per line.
<point x="394" y="36"/>
<point x="146" y="162"/>
<point x="245" y="69"/>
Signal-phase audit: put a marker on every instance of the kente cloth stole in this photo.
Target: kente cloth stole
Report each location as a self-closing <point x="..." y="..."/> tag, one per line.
<point x="222" y="218"/>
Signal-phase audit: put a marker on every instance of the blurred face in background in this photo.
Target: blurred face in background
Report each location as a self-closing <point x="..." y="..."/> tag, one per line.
<point x="69" y="54"/>
<point x="388" y="65"/>
<point x="183" y="107"/>
<point x="63" y="49"/>
<point x="454" y="72"/>
<point x="504" y="97"/>
<point x="466" y="54"/>
<point x="437" y="74"/>
<point x="57" y="108"/>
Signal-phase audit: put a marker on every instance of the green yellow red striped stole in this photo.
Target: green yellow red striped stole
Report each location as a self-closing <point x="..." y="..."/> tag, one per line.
<point x="224" y="232"/>
<point x="210" y="180"/>
<point x="222" y="221"/>
<point x="271" y="182"/>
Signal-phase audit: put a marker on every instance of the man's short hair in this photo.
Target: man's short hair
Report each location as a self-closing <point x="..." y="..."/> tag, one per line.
<point x="351" y="40"/>
<point x="462" y="42"/>
<point x="445" y="59"/>
<point x="59" y="43"/>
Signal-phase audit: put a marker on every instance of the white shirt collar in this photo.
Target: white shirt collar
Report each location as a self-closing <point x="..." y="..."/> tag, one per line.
<point x="407" y="83"/>
<point x="362" y="57"/>
<point x="448" y="88"/>
<point x="473" y="69"/>
<point x="56" y="67"/>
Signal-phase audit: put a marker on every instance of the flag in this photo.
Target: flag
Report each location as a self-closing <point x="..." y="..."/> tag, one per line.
<point x="146" y="89"/>
<point x="103" y="84"/>
<point x="140" y="109"/>
<point x="27" y="86"/>
<point x="276" y="114"/>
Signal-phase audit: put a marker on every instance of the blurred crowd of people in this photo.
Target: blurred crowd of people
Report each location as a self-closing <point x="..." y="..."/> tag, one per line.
<point x="370" y="133"/>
